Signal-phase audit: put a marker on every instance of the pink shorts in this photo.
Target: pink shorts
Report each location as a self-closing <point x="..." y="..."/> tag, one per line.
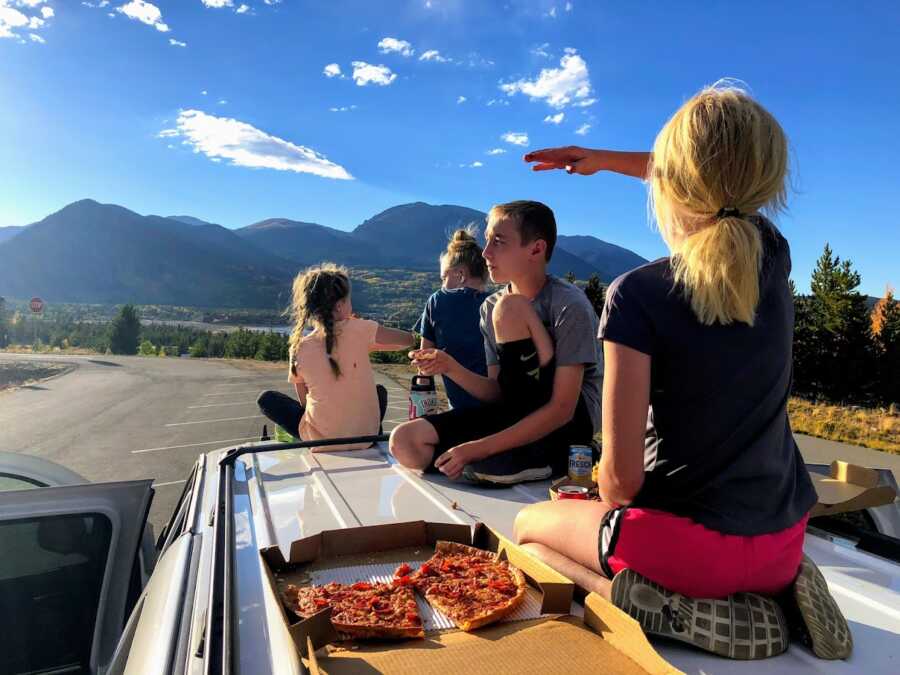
<point x="688" y="558"/>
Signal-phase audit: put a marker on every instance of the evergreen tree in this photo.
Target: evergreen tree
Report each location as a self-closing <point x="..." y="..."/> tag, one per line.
<point x="886" y="339"/>
<point x="570" y="277"/>
<point x="596" y="293"/>
<point x="147" y="348"/>
<point x="840" y="317"/>
<point x="125" y="331"/>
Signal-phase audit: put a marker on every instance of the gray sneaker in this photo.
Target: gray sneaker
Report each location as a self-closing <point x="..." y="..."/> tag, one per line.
<point x="742" y="626"/>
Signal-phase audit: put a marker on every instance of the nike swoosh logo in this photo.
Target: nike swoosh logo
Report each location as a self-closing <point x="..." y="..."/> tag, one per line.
<point x="525" y="358"/>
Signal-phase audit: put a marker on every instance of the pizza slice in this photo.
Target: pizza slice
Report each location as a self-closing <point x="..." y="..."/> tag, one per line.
<point x="362" y="610"/>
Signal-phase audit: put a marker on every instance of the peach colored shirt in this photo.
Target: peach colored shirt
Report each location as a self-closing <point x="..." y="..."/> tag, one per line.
<point x="338" y="406"/>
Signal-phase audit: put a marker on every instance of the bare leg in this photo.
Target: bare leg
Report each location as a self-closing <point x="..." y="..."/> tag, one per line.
<point x="586" y="578"/>
<point x="565" y="535"/>
<point x="515" y="319"/>
<point x="412" y="443"/>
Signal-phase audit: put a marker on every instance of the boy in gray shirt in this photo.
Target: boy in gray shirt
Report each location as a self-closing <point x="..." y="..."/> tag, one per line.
<point x="542" y="391"/>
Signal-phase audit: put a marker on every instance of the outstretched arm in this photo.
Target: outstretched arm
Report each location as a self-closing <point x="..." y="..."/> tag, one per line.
<point x="391" y="339"/>
<point x="584" y="161"/>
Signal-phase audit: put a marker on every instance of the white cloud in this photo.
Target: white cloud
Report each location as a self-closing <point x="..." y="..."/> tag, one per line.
<point x="496" y="151"/>
<point x="497" y="101"/>
<point x="552" y="12"/>
<point x="168" y="133"/>
<point x="145" y="12"/>
<point x="9" y="19"/>
<point x="555" y="119"/>
<point x="47" y="12"/>
<point x="343" y="108"/>
<point x="177" y="43"/>
<point x="583" y="129"/>
<point x="222" y="101"/>
<point x="585" y="103"/>
<point x="243" y="9"/>
<point x="35" y="22"/>
<point x="569" y="6"/>
<point x="332" y="70"/>
<point x="476" y="164"/>
<point x="557" y="86"/>
<point x="367" y="73"/>
<point x="37" y="38"/>
<point x="541" y="50"/>
<point x="434" y="55"/>
<point x="95" y="5"/>
<point x="244" y="145"/>
<point x="515" y="137"/>
<point x="388" y="45"/>
<point x="461" y="99"/>
<point x="217" y="4"/>
<point x="203" y="93"/>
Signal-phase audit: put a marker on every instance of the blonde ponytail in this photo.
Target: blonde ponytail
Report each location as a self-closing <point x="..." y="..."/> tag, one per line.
<point x="464" y="250"/>
<point x="718" y="161"/>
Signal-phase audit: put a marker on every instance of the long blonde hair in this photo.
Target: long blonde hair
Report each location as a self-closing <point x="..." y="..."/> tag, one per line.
<point x="463" y="250"/>
<point x="317" y="291"/>
<point x="720" y="158"/>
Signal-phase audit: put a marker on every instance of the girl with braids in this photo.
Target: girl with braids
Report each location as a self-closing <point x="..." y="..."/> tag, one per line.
<point x="329" y="367"/>
<point x="706" y="496"/>
<point x="450" y="320"/>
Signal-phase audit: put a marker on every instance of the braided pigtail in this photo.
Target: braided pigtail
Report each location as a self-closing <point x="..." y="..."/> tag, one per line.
<point x="316" y="294"/>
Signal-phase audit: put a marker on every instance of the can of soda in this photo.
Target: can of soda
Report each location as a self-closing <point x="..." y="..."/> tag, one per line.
<point x="572" y="492"/>
<point x="580" y="464"/>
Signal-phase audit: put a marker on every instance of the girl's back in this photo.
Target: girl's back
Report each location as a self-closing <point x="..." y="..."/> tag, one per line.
<point x="338" y="406"/>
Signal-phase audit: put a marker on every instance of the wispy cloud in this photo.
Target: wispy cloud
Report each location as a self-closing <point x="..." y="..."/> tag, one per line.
<point x="497" y="101"/>
<point x="145" y="12"/>
<point x="13" y="20"/>
<point x="390" y="45"/>
<point x="496" y="151"/>
<point x="367" y="73"/>
<point x="434" y="55"/>
<point x="242" y="9"/>
<point x="461" y="99"/>
<point x="583" y="129"/>
<point x="475" y="165"/>
<point x="559" y="87"/>
<point x="177" y="43"/>
<point x="243" y="144"/>
<point x="515" y="137"/>
<point x="218" y="4"/>
<point x="541" y="50"/>
<point x="36" y="38"/>
<point x="332" y="70"/>
<point x="555" y="119"/>
<point x="343" y="108"/>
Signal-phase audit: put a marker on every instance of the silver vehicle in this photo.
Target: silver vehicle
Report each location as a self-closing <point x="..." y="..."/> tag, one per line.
<point x="83" y="591"/>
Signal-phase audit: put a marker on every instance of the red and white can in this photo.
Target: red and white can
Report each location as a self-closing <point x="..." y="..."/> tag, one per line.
<point x="572" y="492"/>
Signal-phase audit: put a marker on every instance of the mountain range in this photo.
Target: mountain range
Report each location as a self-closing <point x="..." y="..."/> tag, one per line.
<point x="104" y="253"/>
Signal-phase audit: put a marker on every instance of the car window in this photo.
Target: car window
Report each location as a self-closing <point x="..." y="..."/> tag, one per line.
<point x="10" y="481"/>
<point x="51" y="575"/>
<point x="176" y="524"/>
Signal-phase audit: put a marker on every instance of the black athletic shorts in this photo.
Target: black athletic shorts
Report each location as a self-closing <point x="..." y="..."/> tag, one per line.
<point x="525" y="386"/>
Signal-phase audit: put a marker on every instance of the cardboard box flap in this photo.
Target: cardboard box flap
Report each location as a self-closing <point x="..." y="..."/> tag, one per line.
<point x="625" y="634"/>
<point x="849" y="488"/>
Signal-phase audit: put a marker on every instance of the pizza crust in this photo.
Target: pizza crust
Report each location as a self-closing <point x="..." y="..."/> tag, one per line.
<point x="387" y="632"/>
<point x="455" y="548"/>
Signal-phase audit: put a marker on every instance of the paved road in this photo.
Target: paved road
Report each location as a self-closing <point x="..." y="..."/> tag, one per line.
<point x="122" y="418"/>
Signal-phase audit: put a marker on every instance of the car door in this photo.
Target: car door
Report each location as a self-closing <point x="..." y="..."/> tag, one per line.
<point x="67" y="573"/>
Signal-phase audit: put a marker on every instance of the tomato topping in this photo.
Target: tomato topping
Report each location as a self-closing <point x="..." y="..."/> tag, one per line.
<point x="501" y="586"/>
<point x="446" y="566"/>
<point x="361" y="586"/>
<point x="425" y="568"/>
<point x="412" y="616"/>
<point x="402" y="581"/>
<point x="321" y="603"/>
<point x="403" y="570"/>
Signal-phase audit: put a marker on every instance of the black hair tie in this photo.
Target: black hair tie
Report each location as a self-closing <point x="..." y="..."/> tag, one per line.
<point x="728" y="212"/>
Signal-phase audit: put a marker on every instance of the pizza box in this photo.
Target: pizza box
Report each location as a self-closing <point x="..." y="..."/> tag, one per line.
<point x="849" y="487"/>
<point x="553" y="641"/>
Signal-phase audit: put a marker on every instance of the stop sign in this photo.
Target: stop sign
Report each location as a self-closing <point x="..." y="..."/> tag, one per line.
<point x="37" y="305"/>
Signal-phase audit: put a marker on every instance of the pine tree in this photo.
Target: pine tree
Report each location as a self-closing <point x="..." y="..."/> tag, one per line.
<point x="596" y="293"/>
<point x="125" y="331"/>
<point x="841" y="327"/>
<point x="570" y="277"/>
<point x="886" y="340"/>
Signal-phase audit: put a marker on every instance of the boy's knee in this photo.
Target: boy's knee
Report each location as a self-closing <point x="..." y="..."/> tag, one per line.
<point x="521" y="525"/>
<point x="511" y="316"/>
<point x="407" y="447"/>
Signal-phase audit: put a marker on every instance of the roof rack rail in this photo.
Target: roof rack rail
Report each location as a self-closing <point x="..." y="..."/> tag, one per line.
<point x="234" y="453"/>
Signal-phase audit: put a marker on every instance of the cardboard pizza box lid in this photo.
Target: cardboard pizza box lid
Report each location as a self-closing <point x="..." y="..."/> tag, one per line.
<point x="849" y="487"/>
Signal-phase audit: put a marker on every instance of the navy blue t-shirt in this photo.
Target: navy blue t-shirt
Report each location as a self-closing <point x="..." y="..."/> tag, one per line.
<point x="719" y="447"/>
<point x="451" y="321"/>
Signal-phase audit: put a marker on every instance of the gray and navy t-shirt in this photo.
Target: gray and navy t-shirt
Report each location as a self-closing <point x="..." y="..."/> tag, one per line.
<point x="572" y="323"/>
<point x="719" y="447"/>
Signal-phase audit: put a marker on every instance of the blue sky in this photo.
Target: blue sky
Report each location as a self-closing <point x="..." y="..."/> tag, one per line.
<point x="243" y="122"/>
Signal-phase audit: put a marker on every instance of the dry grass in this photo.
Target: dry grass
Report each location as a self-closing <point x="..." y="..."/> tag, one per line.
<point x="877" y="428"/>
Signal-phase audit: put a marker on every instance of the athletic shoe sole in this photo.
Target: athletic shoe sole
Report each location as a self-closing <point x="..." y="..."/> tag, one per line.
<point x="743" y="626"/>
<point x="827" y="632"/>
